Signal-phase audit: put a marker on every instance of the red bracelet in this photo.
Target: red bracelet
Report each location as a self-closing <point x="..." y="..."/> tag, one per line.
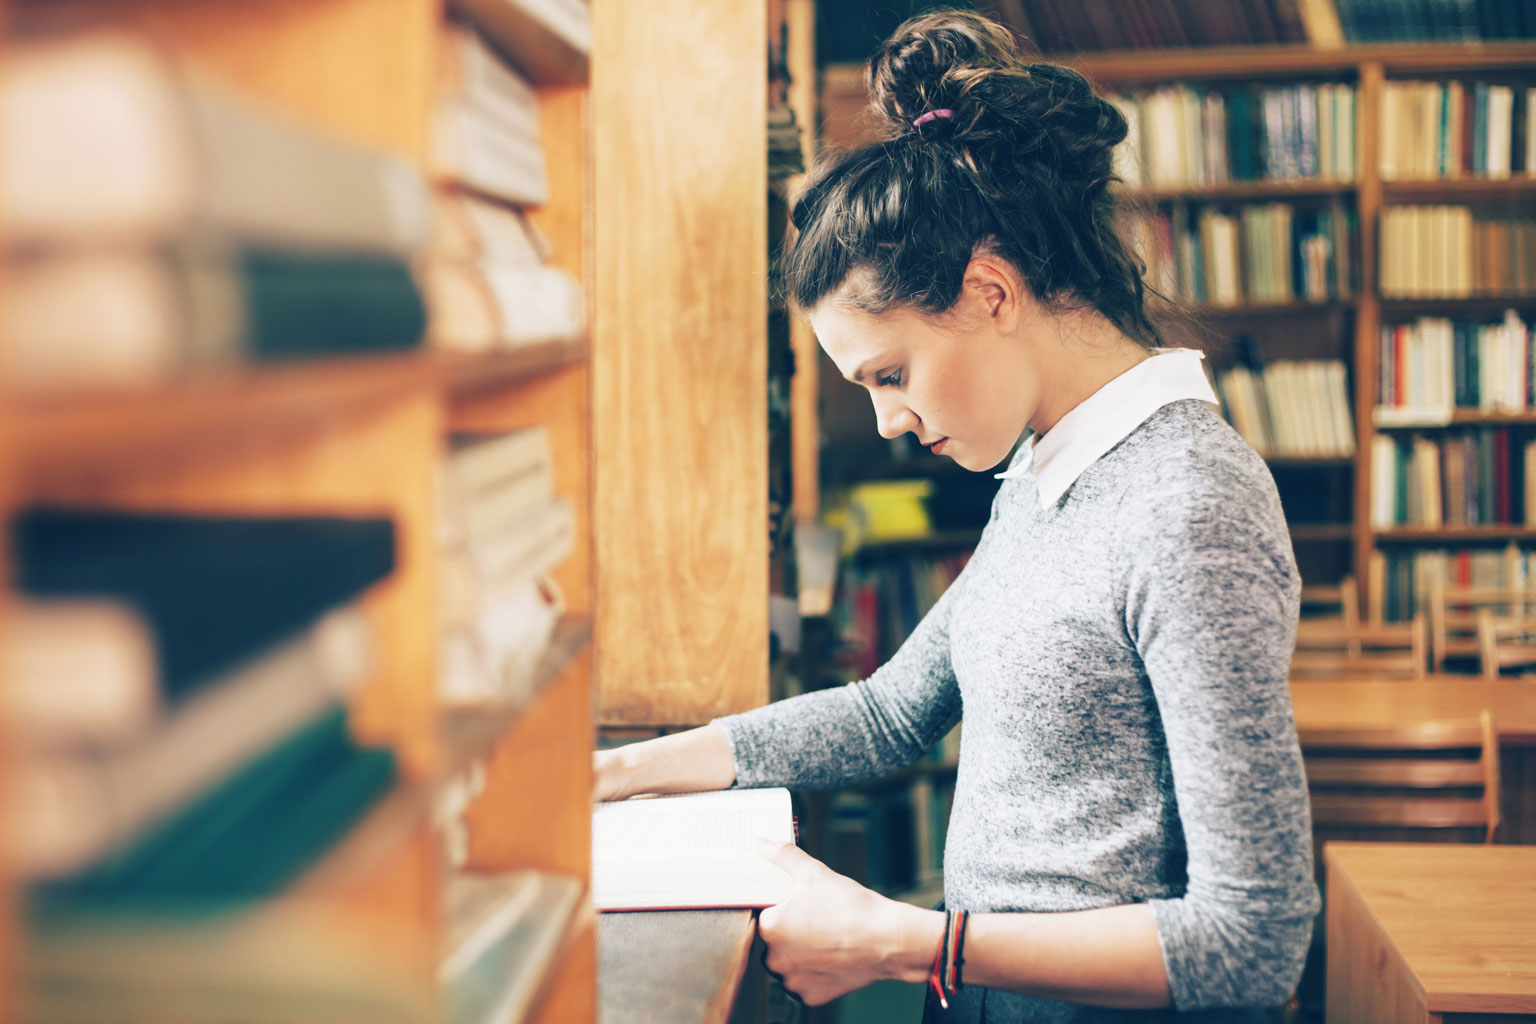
<point x="945" y="975"/>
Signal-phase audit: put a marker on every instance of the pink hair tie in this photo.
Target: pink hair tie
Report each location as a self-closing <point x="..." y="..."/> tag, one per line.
<point x="931" y="116"/>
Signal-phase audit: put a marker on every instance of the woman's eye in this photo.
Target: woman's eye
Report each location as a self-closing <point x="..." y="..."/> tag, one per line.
<point x="890" y="380"/>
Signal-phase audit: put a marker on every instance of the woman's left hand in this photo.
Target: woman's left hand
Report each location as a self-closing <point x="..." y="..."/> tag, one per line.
<point x="832" y="935"/>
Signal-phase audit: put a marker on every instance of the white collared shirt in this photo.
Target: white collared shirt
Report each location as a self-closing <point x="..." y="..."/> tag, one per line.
<point x="1107" y="417"/>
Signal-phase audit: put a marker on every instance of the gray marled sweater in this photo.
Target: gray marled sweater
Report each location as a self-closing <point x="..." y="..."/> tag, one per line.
<point x="1121" y="660"/>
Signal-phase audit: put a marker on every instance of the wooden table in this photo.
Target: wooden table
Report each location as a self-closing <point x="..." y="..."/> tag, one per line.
<point x="1421" y="932"/>
<point x="1328" y="707"/>
<point x="671" y="967"/>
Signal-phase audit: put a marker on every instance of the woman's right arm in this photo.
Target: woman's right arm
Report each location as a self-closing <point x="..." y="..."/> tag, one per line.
<point x="826" y="738"/>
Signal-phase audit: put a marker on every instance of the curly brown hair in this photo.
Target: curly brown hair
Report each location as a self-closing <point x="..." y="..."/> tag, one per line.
<point x="1021" y="169"/>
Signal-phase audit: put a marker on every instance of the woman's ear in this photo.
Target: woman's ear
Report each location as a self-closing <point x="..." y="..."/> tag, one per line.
<point x="994" y="291"/>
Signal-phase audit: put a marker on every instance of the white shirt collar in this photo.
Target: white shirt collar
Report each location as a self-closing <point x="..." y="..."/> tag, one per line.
<point x="1108" y="416"/>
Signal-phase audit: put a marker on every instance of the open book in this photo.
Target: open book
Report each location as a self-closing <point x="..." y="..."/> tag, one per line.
<point x="690" y="851"/>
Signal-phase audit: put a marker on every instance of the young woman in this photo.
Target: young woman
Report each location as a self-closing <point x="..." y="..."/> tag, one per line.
<point x="1130" y="829"/>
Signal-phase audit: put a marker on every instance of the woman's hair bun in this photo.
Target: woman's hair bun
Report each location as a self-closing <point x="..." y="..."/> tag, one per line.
<point x="962" y="61"/>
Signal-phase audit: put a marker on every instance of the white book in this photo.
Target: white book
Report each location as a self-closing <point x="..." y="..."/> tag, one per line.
<point x="694" y="850"/>
<point x="1344" y="428"/>
<point x="1530" y="132"/>
<point x="1501" y="108"/>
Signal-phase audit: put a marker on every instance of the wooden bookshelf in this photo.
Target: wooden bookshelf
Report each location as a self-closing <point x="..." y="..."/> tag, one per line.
<point x="365" y="436"/>
<point x="1243" y="191"/>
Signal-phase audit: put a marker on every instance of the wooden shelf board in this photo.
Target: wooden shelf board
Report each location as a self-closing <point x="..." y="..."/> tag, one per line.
<point x="470" y="734"/>
<point x="1298" y="188"/>
<point x="1393" y="309"/>
<point x="1454" y="534"/>
<point x="679" y="966"/>
<point x="1266" y="309"/>
<point x="1322" y="531"/>
<point x="1248" y="62"/>
<point x="474" y="374"/>
<point x="1442" y="190"/>
<point x="1467" y="418"/>
<point x="59" y="433"/>
<point x="542" y="54"/>
<point x="578" y="922"/>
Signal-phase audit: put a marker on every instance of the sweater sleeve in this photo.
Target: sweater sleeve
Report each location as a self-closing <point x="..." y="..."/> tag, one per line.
<point x="1212" y="598"/>
<point x="862" y="731"/>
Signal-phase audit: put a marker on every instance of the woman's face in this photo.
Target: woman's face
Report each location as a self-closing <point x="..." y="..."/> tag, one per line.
<point x="965" y="386"/>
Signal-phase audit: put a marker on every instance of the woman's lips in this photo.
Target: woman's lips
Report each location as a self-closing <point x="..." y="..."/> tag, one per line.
<point x="938" y="446"/>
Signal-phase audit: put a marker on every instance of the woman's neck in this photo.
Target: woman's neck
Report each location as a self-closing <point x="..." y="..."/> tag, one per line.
<point x="1078" y="353"/>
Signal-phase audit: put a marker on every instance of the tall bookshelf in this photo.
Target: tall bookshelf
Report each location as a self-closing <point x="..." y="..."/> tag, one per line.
<point x="365" y="436"/>
<point x="1363" y="314"/>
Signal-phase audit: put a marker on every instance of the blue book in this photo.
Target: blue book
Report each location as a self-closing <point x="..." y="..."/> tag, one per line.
<point x="1480" y="128"/>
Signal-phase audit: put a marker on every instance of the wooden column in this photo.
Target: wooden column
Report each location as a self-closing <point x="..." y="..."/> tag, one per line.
<point x="679" y="360"/>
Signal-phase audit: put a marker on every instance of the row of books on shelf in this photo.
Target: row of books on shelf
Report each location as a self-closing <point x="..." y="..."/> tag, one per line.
<point x="890" y="838"/>
<point x="158" y="222"/>
<point x="1265" y="253"/>
<point x="1290" y="407"/>
<point x="1433" y="366"/>
<point x="1395" y="21"/>
<point x="1404" y="578"/>
<point x="1183" y="136"/>
<point x="882" y="600"/>
<point x="1065" y="26"/>
<point x="1454" y="252"/>
<point x="1457" y="130"/>
<point x="1460" y="477"/>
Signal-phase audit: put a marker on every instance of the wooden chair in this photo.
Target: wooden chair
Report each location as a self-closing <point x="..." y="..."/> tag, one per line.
<point x="1329" y="649"/>
<point x="1453" y="612"/>
<point x="1410" y="779"/>
<point x="1505" y="642"/>
<point x="1331" y="603"/>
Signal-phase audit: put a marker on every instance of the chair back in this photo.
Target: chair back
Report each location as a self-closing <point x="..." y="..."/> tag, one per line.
<point x="1423" y="780"/>
<point x="1336" y="603"/>
<point x="1329" y="649"/>
<point x="1453" y="614"/>
<point x="1505" y="642"/>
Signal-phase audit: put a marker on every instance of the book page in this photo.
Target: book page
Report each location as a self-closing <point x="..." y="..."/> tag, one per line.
<point x="690" y="850"/>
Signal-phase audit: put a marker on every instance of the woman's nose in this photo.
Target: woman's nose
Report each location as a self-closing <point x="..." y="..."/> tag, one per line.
<point x="893" y="419"/>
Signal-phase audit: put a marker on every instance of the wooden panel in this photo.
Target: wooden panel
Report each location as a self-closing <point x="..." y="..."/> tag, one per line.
<point x="536" y="810"/>
<point x="1367" y="981"/>
<point x="571" y="996"/>
<point x="359" y="69"/>
<point x="1367" y="311"/>
<point x="1458" y="918"/>
<point x="379" y="462"/>
<point x="671" y="967"/>
<point x="680" y="360"/>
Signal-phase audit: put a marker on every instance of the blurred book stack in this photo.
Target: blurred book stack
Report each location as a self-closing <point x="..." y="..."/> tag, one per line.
<point x="1434" y="366"/>
<point x="502" y="531"/>
<point x="1454" y="252"/>
<point x="1291" y="408"/>
<point x="487" y="274"/>
<point x="1183" y="136"/>
<point x="1433" y="130"/>
<point x="1471" y="477"/>
<point x="1404" y="578"/>
<point x="179" y="682"/>
<point x="1262" y="254"/>
<point x="1387" y="21"/>
<point x="157" y="224"/>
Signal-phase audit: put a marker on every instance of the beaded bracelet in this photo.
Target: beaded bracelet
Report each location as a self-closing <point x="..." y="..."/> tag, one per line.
<point x="945" y="978"/>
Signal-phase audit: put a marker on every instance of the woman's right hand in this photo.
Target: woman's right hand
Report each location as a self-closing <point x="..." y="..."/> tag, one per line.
<point x="687" y="762"/>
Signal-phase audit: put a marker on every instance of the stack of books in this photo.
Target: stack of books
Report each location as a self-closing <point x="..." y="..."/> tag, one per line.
<point x="1452" y="252"/>
<point x="178" y="683"/>
<point x="157" y="224"/>
<point x="1388" y="21"/>
<point x="1403" y="579"/>
<point x="1454" y="130"/>
<point x="487" y="274"/>
<point x="1291" y="408"/>
<point x="1265" y="253"/>
<point x="1185" y="137"/>
<point x="1433" y="366"/>
<point x="1470" y="477"/>
<point x="502" y="531"/>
